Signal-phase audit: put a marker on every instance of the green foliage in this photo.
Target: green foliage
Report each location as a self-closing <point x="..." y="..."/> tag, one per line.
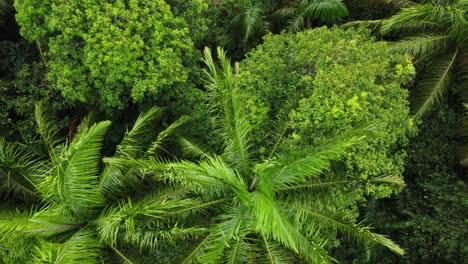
<point x="22" y="84"/>
<point x="86" y="211"/>
<point x="330" y="81"/>
<point x="435" y="33"/>
<point x="259" y="214"/>
<point x="113" y="52"/>
<point x="435" y="201"/>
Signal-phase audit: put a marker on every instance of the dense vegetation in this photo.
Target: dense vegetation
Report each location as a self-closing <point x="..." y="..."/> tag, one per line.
<point x="233" y="131"/>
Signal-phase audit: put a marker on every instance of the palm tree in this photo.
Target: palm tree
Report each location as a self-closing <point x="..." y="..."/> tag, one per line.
<point x="88" y="209"/>
<point x="252" y="18"/>
<point x="258" y="18"/>
<point x="301" y="14"/>
<point x="433" y="32"/>
<point x="269" y="210"/>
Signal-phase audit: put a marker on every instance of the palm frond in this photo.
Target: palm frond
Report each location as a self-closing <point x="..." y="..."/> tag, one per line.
<point x="297" y="167"/>
<point x="158" y="144"/>
<point x="131" y="145"/>
<point x="250" y="18"/>
<point x="374" y="25"/>
<point x="17" y="167"/>
<point x="6" y="6"/>
<point x="274" y="253"/>
<point x="76" y="178"/>
<point x="353" y="231"/>
<point x="422" y="45"/>
<point x="233" y="119"/>
<point x="197" y="251"/>
<point x="193" y="149"/>
<point x="423" y="12"/>
<point x="150" y="238"/>
<point x="212" y="175"/>
<point x="395" y="4"/>
<point x="272" y="224"/>
<point x="325" y="10"/>
<point x="123" y="217"/>
<point x="228" y="239"/>
<point x="389" y="179"/>
<point x="46" y="127"/>
<point x="82" y="247"/>
<point x="434" y="83"/>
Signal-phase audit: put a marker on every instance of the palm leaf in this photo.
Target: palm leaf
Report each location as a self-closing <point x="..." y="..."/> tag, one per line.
<point x="82" y="247"/>
<point x="213" y="176"/>
<point x="233" y="120"/>
<point x="390" y="179"/>
<point x="123" y="217"/>
<point x="228" y="239"/>
<point x="46" y="127"/>
<point x="422" y="45"/>
<point x="325" y="10"/>
<point x="193" y="149"/>
<point x="158" y="144"/>
<point x="297" y="167"/>
<point x="250" y="18"/>
<point x="423" y="12"/>
<point x="272" y="224"/>
<point x="353" y="231"/>
<point x="274" y="253"/>
<point x="131" y="145"/>
<point x="434" y="83"/>
<point x="75" y="179"/>
<point x="17" y="167"/>
<point x="6" y="6"/>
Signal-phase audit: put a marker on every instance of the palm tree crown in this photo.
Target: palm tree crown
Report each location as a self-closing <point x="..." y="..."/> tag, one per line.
<point x="265" y="208"/>
<point x="85" y="214"/>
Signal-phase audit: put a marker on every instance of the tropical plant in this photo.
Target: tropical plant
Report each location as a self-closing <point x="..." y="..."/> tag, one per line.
<point x="435" y="33"/>
<point x="258" y="18"/>
<point x="301" y="14"/>
<point x="272" y="210"/>
<point x="86" y="211"/>
<point x="253" y="18"/>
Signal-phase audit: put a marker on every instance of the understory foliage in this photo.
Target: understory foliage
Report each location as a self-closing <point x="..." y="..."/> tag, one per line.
<point x="22" y="84"/>
<point x="113" y="52"/>
<point x="435" y="202"/>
